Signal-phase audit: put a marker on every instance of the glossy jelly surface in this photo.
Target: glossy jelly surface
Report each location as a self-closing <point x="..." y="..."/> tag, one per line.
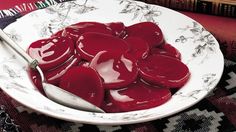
<point x="51" y="52"/>
<point x="138" y="96"/>
<point x="164" y="70"/>
<point x="76" y="30"/>
<point x="89" y="44"/>
<point x="148" y="31"/>
<point x="84" y="82"/>
<point x="139" y="48"/>
<point x="116" y="67"/>
<point x="168" y="50"/>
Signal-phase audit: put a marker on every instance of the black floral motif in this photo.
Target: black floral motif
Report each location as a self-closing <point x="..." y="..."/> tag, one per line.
<point x="81" y="7"/>
<point x="191" y="94"/>
<point x="209" y="80"/>
<point x="198" y="34"/>
<point x="145" y="12"/>
<point x="62" y="11"/>
<point x="11" y="73"/>
<point x="181" y="39"/>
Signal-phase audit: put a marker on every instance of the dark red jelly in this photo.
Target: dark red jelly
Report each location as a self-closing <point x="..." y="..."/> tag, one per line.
<point x="108" y="106"/>
<point x="53" y="76"/>
<point x="116" y="69"/>
<point x="84" y="82"/>
<point x="138" y="47"/>
<point x="76" y="30"/>
<point x="138" y="96"/>
<point x="117" y="28"/>
<point x="51" y="52"/>
<point x="147" y="31"/>
<point x="167" y="49"/>
<point x="36" y="79"/>
<point x="164" y="70"/>
<point x="89" y="44"/>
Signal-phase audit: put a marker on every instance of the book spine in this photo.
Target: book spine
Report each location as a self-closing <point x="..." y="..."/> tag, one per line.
<point x="217" y="7"/>
<point x="212" y="7"/>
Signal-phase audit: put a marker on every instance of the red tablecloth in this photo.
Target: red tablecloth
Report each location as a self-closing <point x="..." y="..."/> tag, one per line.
<point x="214" y="113"/>
<point x="11" y="3"/>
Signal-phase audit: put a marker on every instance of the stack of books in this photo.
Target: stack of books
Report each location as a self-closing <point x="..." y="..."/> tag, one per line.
<point x="213" y="7"/>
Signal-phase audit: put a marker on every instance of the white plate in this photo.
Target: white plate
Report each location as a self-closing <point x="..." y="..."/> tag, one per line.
<point x="199" y="49"/>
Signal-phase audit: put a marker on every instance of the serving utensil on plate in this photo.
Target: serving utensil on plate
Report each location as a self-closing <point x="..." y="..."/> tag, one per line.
<point x="53" y="92"/>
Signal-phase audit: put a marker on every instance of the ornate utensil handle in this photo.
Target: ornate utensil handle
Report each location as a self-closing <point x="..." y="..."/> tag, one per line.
<point x="33" y="63"/>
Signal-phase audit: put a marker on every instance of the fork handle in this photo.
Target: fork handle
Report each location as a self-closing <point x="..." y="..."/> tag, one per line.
<point x="33" y="63"/>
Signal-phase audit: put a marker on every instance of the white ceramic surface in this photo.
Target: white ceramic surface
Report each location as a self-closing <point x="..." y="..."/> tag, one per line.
<point x="199" y="49"/>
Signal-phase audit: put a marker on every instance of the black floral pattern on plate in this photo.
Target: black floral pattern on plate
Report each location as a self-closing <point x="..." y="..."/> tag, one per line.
<point x="145" y="12"/>
<point x="199" y="34"/>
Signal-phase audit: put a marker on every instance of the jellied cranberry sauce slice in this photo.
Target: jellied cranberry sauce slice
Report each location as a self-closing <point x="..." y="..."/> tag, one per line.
<point x="52" y="51"/>
<point x="138" y="47"/>
<point x="84" y="82"/>
<point x="116" y="69"/>
<point x="147" y="31"/>
<point x="53" y="76"/>
<point x="76" y="30"/>
<point x="107" y="105"/>
<point x="138" y="96"/>
<point x="36" y="80"/>
<point x="117" y="28"/>
<point x="164" y="70"/>
<point x="89" y="44"/>
<point x="168" y="50"/>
